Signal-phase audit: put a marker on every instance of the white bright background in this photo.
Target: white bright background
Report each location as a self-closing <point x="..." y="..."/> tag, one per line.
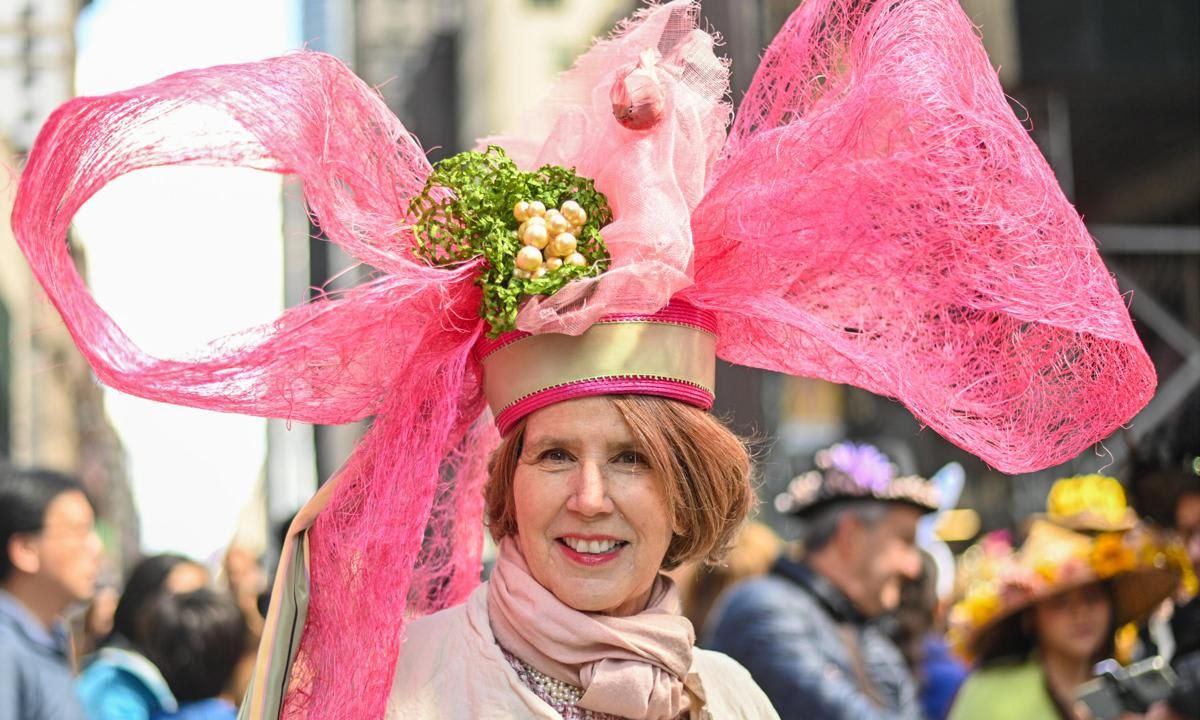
<point x="181" y="256"/>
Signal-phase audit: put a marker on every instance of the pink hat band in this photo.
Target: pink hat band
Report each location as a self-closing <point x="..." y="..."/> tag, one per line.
<point x="671" y="354"/>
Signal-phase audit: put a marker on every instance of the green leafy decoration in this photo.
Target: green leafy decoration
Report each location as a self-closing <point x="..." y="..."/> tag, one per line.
<point x="466" y="210"/>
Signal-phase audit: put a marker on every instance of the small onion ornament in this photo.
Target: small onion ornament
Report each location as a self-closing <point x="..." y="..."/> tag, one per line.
<point x="535" y="235"/>
<point x="574" y="213"/>
<point x="529" y="259"/>
<point x="521" y="211"/>
<point x="562" y="245"/>
<point x="557" y="223"/>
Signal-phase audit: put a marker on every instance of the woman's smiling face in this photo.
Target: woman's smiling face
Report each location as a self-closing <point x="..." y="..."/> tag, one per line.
<point x="592" y="516"/>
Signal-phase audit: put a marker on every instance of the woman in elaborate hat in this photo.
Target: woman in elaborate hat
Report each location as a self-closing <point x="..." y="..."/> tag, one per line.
<point x="875" y="215"/>
<point x="1040" y="618"/>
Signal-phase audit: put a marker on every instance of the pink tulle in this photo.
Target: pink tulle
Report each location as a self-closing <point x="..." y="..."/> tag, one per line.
<point x="877" y="217"/>
<point x="880" y="218"/>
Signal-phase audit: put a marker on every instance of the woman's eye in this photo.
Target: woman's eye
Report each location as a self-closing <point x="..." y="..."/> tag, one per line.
<point x="630" y="457"/>
<point x="555" y="455"/>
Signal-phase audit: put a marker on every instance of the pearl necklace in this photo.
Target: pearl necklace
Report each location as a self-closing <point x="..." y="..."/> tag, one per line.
<point x="559" y="691"/>
<point x="563" y="697"/>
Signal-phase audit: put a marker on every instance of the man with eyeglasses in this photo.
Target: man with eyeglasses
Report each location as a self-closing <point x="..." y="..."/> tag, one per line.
<point x="49" y="558"/>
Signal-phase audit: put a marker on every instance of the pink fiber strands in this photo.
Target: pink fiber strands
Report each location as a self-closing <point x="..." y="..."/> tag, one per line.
<point x="653" y="178"/>
<point x="403" y="536"/>
<point x="304" y="114"/>
<point x="397" y="347"/>
<point x="879" y="217"/>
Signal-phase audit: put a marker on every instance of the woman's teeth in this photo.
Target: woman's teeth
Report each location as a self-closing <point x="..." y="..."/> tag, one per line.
<point x="592" y="547"/>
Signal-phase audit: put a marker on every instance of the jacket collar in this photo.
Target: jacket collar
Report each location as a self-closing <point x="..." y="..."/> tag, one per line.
<point x="16" y="615"/>
<point x="833" y="600"/>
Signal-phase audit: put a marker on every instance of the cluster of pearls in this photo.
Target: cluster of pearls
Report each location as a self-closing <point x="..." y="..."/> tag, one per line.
<point x="558" y="692"/>
<point x="548" y="237"/>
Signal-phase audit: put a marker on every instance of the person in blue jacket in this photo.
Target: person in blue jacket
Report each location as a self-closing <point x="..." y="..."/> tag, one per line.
<point x="196" y="639"/>
<point x="806" y="631"/>
<point x="118" y="681"/>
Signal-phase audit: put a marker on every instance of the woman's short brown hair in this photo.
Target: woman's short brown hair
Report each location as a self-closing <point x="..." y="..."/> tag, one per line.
<point x="706" y="470"/>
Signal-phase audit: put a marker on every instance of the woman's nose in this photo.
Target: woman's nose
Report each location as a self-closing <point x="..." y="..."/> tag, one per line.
<point x="590" y="496"/>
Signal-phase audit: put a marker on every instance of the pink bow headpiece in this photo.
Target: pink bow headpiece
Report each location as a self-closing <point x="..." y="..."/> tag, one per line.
<point x="876" y="216"/>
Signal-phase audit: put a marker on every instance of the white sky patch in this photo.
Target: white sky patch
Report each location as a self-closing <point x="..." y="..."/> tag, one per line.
<point x="182" y="256"/>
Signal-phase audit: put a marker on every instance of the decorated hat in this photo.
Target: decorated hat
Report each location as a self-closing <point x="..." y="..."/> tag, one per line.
<point x="852" y="472"/>
<point x="1090" y="503"/>
<point x="1142" y="567"/>
<point x="868" y="217"/>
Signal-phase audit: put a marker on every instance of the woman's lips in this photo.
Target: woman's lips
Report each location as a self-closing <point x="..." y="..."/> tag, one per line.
<point x="591" y="559"/>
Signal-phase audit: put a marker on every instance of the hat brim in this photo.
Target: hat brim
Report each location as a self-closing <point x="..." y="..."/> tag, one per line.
<point x="1091" y="523"/>
<point x="805" y="511"/>
<point x="1136" y="593"/>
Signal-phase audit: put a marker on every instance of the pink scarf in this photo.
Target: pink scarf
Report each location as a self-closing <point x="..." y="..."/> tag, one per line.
<point x="633" y="667"/>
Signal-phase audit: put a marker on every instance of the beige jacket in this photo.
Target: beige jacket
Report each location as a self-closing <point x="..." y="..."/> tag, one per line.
<point x="451" y="668"/>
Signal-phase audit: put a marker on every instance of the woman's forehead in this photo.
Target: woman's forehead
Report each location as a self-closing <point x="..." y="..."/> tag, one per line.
<point x="594" y="420"/>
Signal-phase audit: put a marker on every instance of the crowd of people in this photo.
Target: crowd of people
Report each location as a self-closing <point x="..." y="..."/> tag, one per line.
<point x="168" y="648"/>
<point x="846" y="623"/>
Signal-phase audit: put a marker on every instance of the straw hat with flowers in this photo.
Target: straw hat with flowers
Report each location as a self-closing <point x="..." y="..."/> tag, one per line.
<point x="1141" y="568"/>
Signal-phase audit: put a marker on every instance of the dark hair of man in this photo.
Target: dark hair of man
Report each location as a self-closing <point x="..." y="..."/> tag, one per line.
<point x="195" y="640"/>
<point x="144" y="585"/>
<point x="820" y="526"/>
<point x="25" y="494"/>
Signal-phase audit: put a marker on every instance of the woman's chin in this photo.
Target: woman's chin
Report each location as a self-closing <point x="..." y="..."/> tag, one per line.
<point x="593" y="596"/>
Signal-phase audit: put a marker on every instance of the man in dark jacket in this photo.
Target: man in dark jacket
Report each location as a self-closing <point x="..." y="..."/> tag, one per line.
<point x="49" y="558"/>
<point x="805" y="630"/>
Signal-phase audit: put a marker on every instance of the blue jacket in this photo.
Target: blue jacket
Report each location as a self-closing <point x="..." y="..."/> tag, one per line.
<point x="123" y="685"/>
<point x="35" y="678"/>
<point x="943" y="673"/>
<point x="787" y="629"/>
<point x="210" y="709"/>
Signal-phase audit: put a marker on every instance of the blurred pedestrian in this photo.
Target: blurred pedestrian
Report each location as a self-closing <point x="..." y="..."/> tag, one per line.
<point x="246" y="580"/>
<point x="195" y="639"/>
<point x="1049" y="613"/>
<point x="918" y="631"/>
<point x="805" y="631"/>
<point x="1166" y="487"/>
<point x="153" y="575"/>
<point x="49" y="560"/>
<point x="119" y="682"/>
<point x="95" y="623"/>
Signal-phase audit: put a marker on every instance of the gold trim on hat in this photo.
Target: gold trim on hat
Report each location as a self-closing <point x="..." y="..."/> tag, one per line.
<point x="622" y="348"/>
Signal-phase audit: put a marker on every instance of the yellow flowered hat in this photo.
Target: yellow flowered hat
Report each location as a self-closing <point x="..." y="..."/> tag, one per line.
<point x="1142" y="567"/>
<point x="1090" y="503"/>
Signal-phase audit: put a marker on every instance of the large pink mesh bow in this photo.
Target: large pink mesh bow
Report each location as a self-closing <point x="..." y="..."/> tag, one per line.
<point x="877" y="216"/>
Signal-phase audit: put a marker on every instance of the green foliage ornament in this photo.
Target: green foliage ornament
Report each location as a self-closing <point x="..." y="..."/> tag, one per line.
<point x="466" y="210"/>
